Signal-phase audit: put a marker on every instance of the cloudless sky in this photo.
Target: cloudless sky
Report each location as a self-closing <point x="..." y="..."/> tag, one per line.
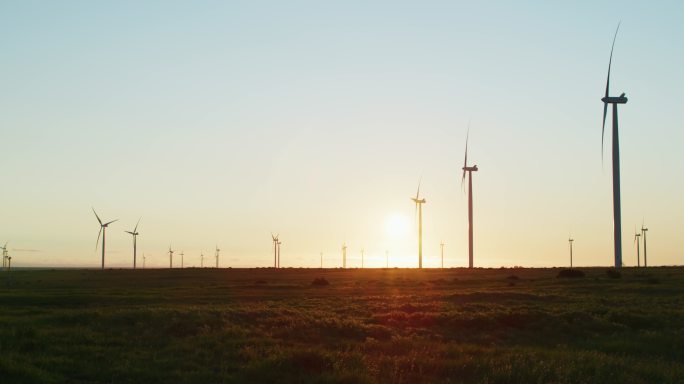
<point x="220" y="122"/>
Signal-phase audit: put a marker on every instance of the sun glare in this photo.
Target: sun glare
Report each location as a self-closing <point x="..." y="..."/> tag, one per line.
<point x="397" y="225"/>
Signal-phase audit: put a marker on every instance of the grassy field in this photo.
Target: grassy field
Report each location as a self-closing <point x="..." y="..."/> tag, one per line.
<point x="366" y="326"/>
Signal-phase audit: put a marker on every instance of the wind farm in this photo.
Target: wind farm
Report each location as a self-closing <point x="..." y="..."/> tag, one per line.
<point x="226" y="122"/>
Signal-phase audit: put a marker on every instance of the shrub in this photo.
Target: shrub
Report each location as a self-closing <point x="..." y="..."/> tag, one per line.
<point x="570" y="273"/>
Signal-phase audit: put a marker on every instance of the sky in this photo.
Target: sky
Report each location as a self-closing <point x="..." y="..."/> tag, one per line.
<point x="220" y="122"/>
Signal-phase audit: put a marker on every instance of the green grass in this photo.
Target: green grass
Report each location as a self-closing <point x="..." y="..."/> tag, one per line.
<point x="367" y="326"/>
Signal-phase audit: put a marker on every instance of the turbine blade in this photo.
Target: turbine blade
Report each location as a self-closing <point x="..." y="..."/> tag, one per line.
<point x="111" y="222"/>
<point x="130" y="232"/>
<point x="418" y="191"/>
<point x="465" y="159"/>
<point x="98" y="217"/>
<point x="136" y="225"/>
<point x="603" y="128"/>
<point x="605" y="105"/>
<point x="97" y="242"/>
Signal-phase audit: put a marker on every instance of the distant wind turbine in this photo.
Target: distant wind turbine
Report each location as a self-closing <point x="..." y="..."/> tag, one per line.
<point x="279" y="243"/>
<point x="637" y="235"/>
<point x="170" y="257"/>
<point x="135" y="241"/>
<point x="274" y="238"/>
<point x="321" y="260"/>
<point x="617" y="215"/>
<point x="4" y="256"/>
<point x="217" y="256"/>
<point x="419" y="208"/>
<point x="182" y="260"/>
<point x="202" y="260"/>
<point x="144" y="258"/>
<point x="9" y="262"/>
<point x="361" y="258"/>
<point x="103" y="228"/>
<point x="344" y="255"/>
<point x="441" y="246"/>
<point x="386" y="258"/>
<point x="470" y="171"/>
<point x="643" y="235"/>
<point x="570" y="240"/>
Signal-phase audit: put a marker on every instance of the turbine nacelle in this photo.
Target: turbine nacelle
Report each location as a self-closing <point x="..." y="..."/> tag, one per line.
<point x="469" y="169"/>
<point x="615" y="100"/>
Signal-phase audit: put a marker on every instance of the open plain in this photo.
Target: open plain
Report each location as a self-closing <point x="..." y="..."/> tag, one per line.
<point x="372" y="325"/>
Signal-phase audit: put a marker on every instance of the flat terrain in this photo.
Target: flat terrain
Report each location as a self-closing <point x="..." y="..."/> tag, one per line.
<point x="374" y="326"/>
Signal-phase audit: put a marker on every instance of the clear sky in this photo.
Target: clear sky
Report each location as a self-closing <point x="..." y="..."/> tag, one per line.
<point x="220" y="122"/>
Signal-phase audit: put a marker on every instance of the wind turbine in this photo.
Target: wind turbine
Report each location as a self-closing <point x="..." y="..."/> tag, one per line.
<point x="201" y="260"/>
<point x="170" y="257"/>
<point x="144" y="258"/>
<point x="321" y="260"/>
<point x="361" y="258"/>
<point x="470" y="171"/>
<point x="617" y="215"/>
<point x="4" y="255"/>
<point x="103" y="228"/>
<point x="387" y="258"/>
<point x="275" y="250"/>
<point x="135" y="241"/>
<point x="636" y="240"/>
<point x="279" y="243"/>
<point x="441" y="246"/>
<point x="643" y="235"/>
<point x="344" y="255"/>
<point x="217" y="256"/>
<point x="419" y="207"/>
<point x="9" y="262"/>
<point x="182" y="260"/>
<point x="570" y="240"/>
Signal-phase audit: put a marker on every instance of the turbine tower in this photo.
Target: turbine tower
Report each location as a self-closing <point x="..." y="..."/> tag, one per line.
<point x="279" y="243"/>
<point x="570" y="240"/>
<point x="202" y="260"/>
<point x="135" y="241"/>
<point x="344" y="255"/>
<point x="361" y="258"/>
<point x="217" y="256"/>
<point x="103" y="228"/>
<point x="387" y="259"/>
<point x="9" y="262"/>
<point x="419" y="208"/>
<point x="441" y="246"/>
<point x="170" y="257"/>
<point x="4" y="256"/>
<point x="144" y="258"/>
<point x="274" y="238"/>
<point x="617" y="215"/>
<point x="182" y="260"/>
<point x="321" y="260"/>
<point x="643" y="235"/>
<point x="637" y="236"/>
<point x="470" y="171"/>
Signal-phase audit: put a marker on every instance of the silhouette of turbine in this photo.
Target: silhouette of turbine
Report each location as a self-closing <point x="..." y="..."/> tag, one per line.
<point x="617" y="215"/>
<point x="182" y="259"/>
<point x="441" y="247"/>
<point x="570" y="240"/>
<point x="637" y="235"/>
<point x="279" y="243"/>
<point x="135" y="241"/>
<point x="643" y="236"/>
<point x="419" y="208"/>
<point x="217" y="256"/>
<point x="4" y="255"/>
<point x="144" y="258"/>
<point x="103" y="228"/>
<point x="344" y="255"/>
<point x="170" y="257"/>
<point x="470" y="171"/>
<point x="361" y="258"/>
<point x="274" y="238"/>
<point x="201" y="259"/>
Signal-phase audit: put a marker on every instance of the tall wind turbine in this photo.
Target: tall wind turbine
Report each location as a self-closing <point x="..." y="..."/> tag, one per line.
<point x="419" y="207"/>
<point x="182" y="260"/>
<point x="103" y="228"/>
<point x="361" y="258"/>
<point x="321" y="260"/>
<point x="170" y="257"/>
<point x="570" y="240"/>
<point x="643" y="235"/>
<point x="9" y="262"/>
<point x="217" y="256"/>
<point x="441" y="246"/>
<point x="470" y="171"/>
<point x="135" y="241"/>
<point x="144" y="258"/>
<point x="201" y="259"/>
<point x="636" y="240"/>
<point x="344" y="255"/>
<point x="387" y="258"/>
<point x="274" y="238"/>
<point x="617" y="215"/>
